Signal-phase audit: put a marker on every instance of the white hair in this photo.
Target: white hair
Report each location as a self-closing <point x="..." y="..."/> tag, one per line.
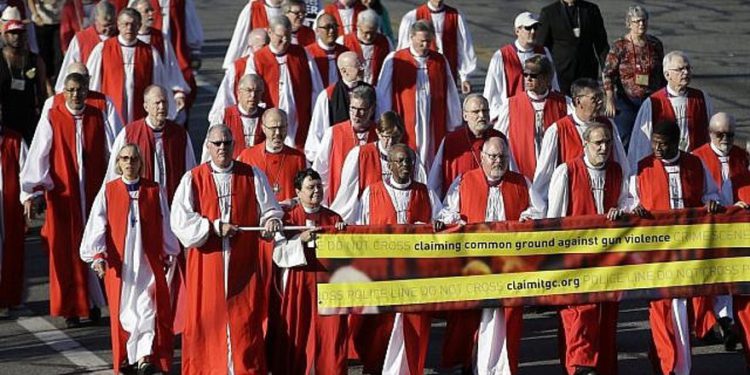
<point x="368" y="17"/>
<point x="671" y="56"/>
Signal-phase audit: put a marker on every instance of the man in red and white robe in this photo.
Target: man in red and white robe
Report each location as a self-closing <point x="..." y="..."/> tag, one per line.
<point x="12" y="224"/>
<point x="227" y="94"/>
<point x="459" y="150"/>
<point x="225" y="313"/>
<point x="291" y="78"/>
<point x="670" y="179"/>
<point x="325" y="51"/>
<point x="591" y="184"/>
<point x="257" y="14"/>
<point x="488" y="193"/>
<point x="689" y="107"/>
<point x="339" y="139"/>
<point x="526" y="116"/>
<point x="345" y="14"/>
<point x="129" y="243"/>
<point x="371" y="46"/>
<point x="452" y="38"/>
<point x="295" y="10"/>
<point x="386" y="343"/>
<point x="416" y="82"/>
<point x="307" y="342"/>
<point x="563" y="140"/>
<point x="332" y="104"/>
<point x="166" y="148"/>
<point x="85" y="40"/>
<point x="122" y="68"/>
<point x="367" y="164"/>
<point x="75" y="16"/>
<point x="56" y="165"/>
<point x="505" y="73"/>
<point x="278" y="161"/>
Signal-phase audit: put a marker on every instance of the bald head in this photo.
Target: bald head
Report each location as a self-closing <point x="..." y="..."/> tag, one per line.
<point x="156" y="105"/>
<point x="494" y="158"/>
<point x="250" y="93"/>
<point x="721" y="131"/>
<point x="327" y="30"/>
<point x="251" y="79"/>
<point x="401" y="162"/>
<point x="258" y="38"/>
<point x="275" y="129"/>
<point x="104" y="18"/>
<point x="79" y="68"/>
<point x="349" y="66"/>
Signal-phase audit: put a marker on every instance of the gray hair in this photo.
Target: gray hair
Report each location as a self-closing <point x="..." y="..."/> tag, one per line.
<point x="103" y="9"/>
<point x="422" y="26"/>
<point x="275" y="111"/>
<point x="545" y="66"/>
<point x="153" y="88"/>
<point x="671" y="56"/>
<point x="287" y="5"/>
<point x="635" y="11"/>
<point x="247" y="79"/>
<point x="594" y="126"/>
<point x="280" y="21"/>
<point x="368" y="17"/>
<point x="489" y="141"/>
<point x="132" y="13"/>
<point x="364" y="92"/>
<point x="722" y="117"/>
<point x="136" y="151"/>
<point x="221" y="129"/>
<point x="581" y="85"/>
<point x="475" y="96"/>
<point x="136" y="3"/>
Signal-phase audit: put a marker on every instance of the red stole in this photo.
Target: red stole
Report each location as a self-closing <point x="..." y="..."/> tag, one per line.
<point x="177" y="30"/>
<point x="569" y="142"/>
<point x="150" y="218"/>
<point x="280" y="168"/>
<point x="11" y="283"/>
<point x="88" y="38"/>
<point x="320" y="56"/>
<point x="64" y="226"/>
<point x="334" y="11"/>
<point x="474" y="192"/>
<point x="157" y="41"/>
<point x="522" y="124"/>
<point x="513" y="69"/>
<point x="305" y="36"/>
<point x="380" y="51"/>
<point x="71" y="20"/>
<point x="370" y="168"/>
<point x="579" y="188"/>
<point x="653" y="182"/>
<point x="174" y="141"/>
<point x="461" y="152"/>
<point x="697" y="118"/>
<point x="382" y="210"/>
<point x="93" y="99"/>
<point x="240" y="65"/>
<point x="405" y="94"/>
<point x="268" y="68"/>
<point x="258" y="15"/>
<point x="738" y="164"/>
<point x="343" y="140"/>
<point x="450" y="34"/>
<point x="233" y="119"/>
<point x="113" y="75"/>
<point x="209" y="309"/>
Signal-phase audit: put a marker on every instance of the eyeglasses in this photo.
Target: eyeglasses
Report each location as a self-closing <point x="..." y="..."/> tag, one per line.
<point x="686" y="69"/>
<point x="128" y="158"/>
<point x="221" y="143"/>
<point x="298" y="13"/>
<point x="639" y="20"/>
<point x="530" y="75"/>
<point x="595" y="98"/>
<point x="723" y="134"/>
<point x="275" y="129"/>
<point x="495" y="157"/>
<point x="358" y="110"/>
<point x="329" y="27"/>
<point x="529" y="28"/>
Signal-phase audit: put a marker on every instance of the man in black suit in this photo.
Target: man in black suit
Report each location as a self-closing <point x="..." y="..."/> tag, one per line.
<point x="574" y="31"/>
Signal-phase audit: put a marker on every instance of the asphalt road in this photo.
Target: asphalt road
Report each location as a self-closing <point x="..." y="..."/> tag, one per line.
<point x="715" y="34"/>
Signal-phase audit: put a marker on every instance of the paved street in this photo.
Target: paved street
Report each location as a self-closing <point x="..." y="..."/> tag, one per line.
<point x="715" y="34"/>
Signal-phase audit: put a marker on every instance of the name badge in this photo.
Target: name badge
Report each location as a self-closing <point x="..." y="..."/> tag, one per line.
<point x="641" y="79"/>
<point x="577" y="32"/>
<point x="17" y="84"/>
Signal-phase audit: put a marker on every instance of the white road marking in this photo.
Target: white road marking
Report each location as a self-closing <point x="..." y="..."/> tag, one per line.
<point x="203" y="83"/>
<point x="65" y="345"/>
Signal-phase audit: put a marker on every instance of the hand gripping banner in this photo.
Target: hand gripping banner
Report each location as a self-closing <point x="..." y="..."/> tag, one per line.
<point x="577" y="260"/>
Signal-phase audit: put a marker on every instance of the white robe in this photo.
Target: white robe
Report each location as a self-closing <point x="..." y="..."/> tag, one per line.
<point x="640" y="140"/>
<point x="73" y="55"/>
<point x="111" y="117"/>
<point x="319" y="122"/>
<point x="679" y="305"/>
<point x="423" y="130"/>
<point x="547" y="162"/>
<point x="172" y="72"/>
<point x="495" y="82"/>
<point x="160" y="166"/>
<point x="193" y="230"/>
<point x="346" y="200"/>
<point x="22" y="154"/>
<point x="159" y="76"/>
<point x="137" y="305"/>
<point x="368" y="59"/>
<point x="559" y="194"/>
<point x="492" y="347"/>
<point x="239" y="46"/>
<point x="225" y="94"/>
<point x="193" y="27"/>
<point x="467" y="58"/>
<point x="36" y="173"/>
<point x="395" y="357"/>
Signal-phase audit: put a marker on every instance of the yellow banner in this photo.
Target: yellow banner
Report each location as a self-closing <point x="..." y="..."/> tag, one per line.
<point x="579" y="241"/>
<point x="534" y="284"/>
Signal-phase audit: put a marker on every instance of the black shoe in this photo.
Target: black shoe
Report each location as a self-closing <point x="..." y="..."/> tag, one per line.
<point x="74" y="322"/>
<point x="729" y="334"/>
<point x="146" y="368"/>
<point x="585" y="370"/>
<point x="95" y="315"/>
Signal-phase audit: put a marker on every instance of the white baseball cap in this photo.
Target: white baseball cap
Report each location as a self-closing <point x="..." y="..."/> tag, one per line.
<point x="526" y="19"/>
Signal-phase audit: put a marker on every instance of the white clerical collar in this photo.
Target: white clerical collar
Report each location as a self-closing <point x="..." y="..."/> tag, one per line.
<point x="350" y="84"/>
<point x="521" y="49"/>
<point x="415" y="54"/>
<point x="537" y="97"/>
<point x="271" y="5"/>
<point x="325" y="47"/>
<point x="382" y="150"/>
<point x="591" y="166"/>
<point x="125" y="43"/>
<point x="152" y="126"/>
<point x="269" y="150"/>
<point x="717" y="151"/>
<point x="275" y="52"/>
<point x="578" y="120"/>
<point x="435" y="10"/>
<point x="673" y="93"/>
<point x="398" y="186"/>
<point x="217" y="169"/>
<point x="130" y="182"/>
<point x="671" y="161"/>
<point x="244" y="112"/>
<point x="103" y="37"/>
<point x="310" y="210"/>
<point x="74" y="112"/>
<point x="493" y="182"/>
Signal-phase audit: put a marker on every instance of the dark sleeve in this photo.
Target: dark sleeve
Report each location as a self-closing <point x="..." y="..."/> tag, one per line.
<point x="601" y="47"/>
<point x="658" y="63"/>
<point x="543" y="36"/>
